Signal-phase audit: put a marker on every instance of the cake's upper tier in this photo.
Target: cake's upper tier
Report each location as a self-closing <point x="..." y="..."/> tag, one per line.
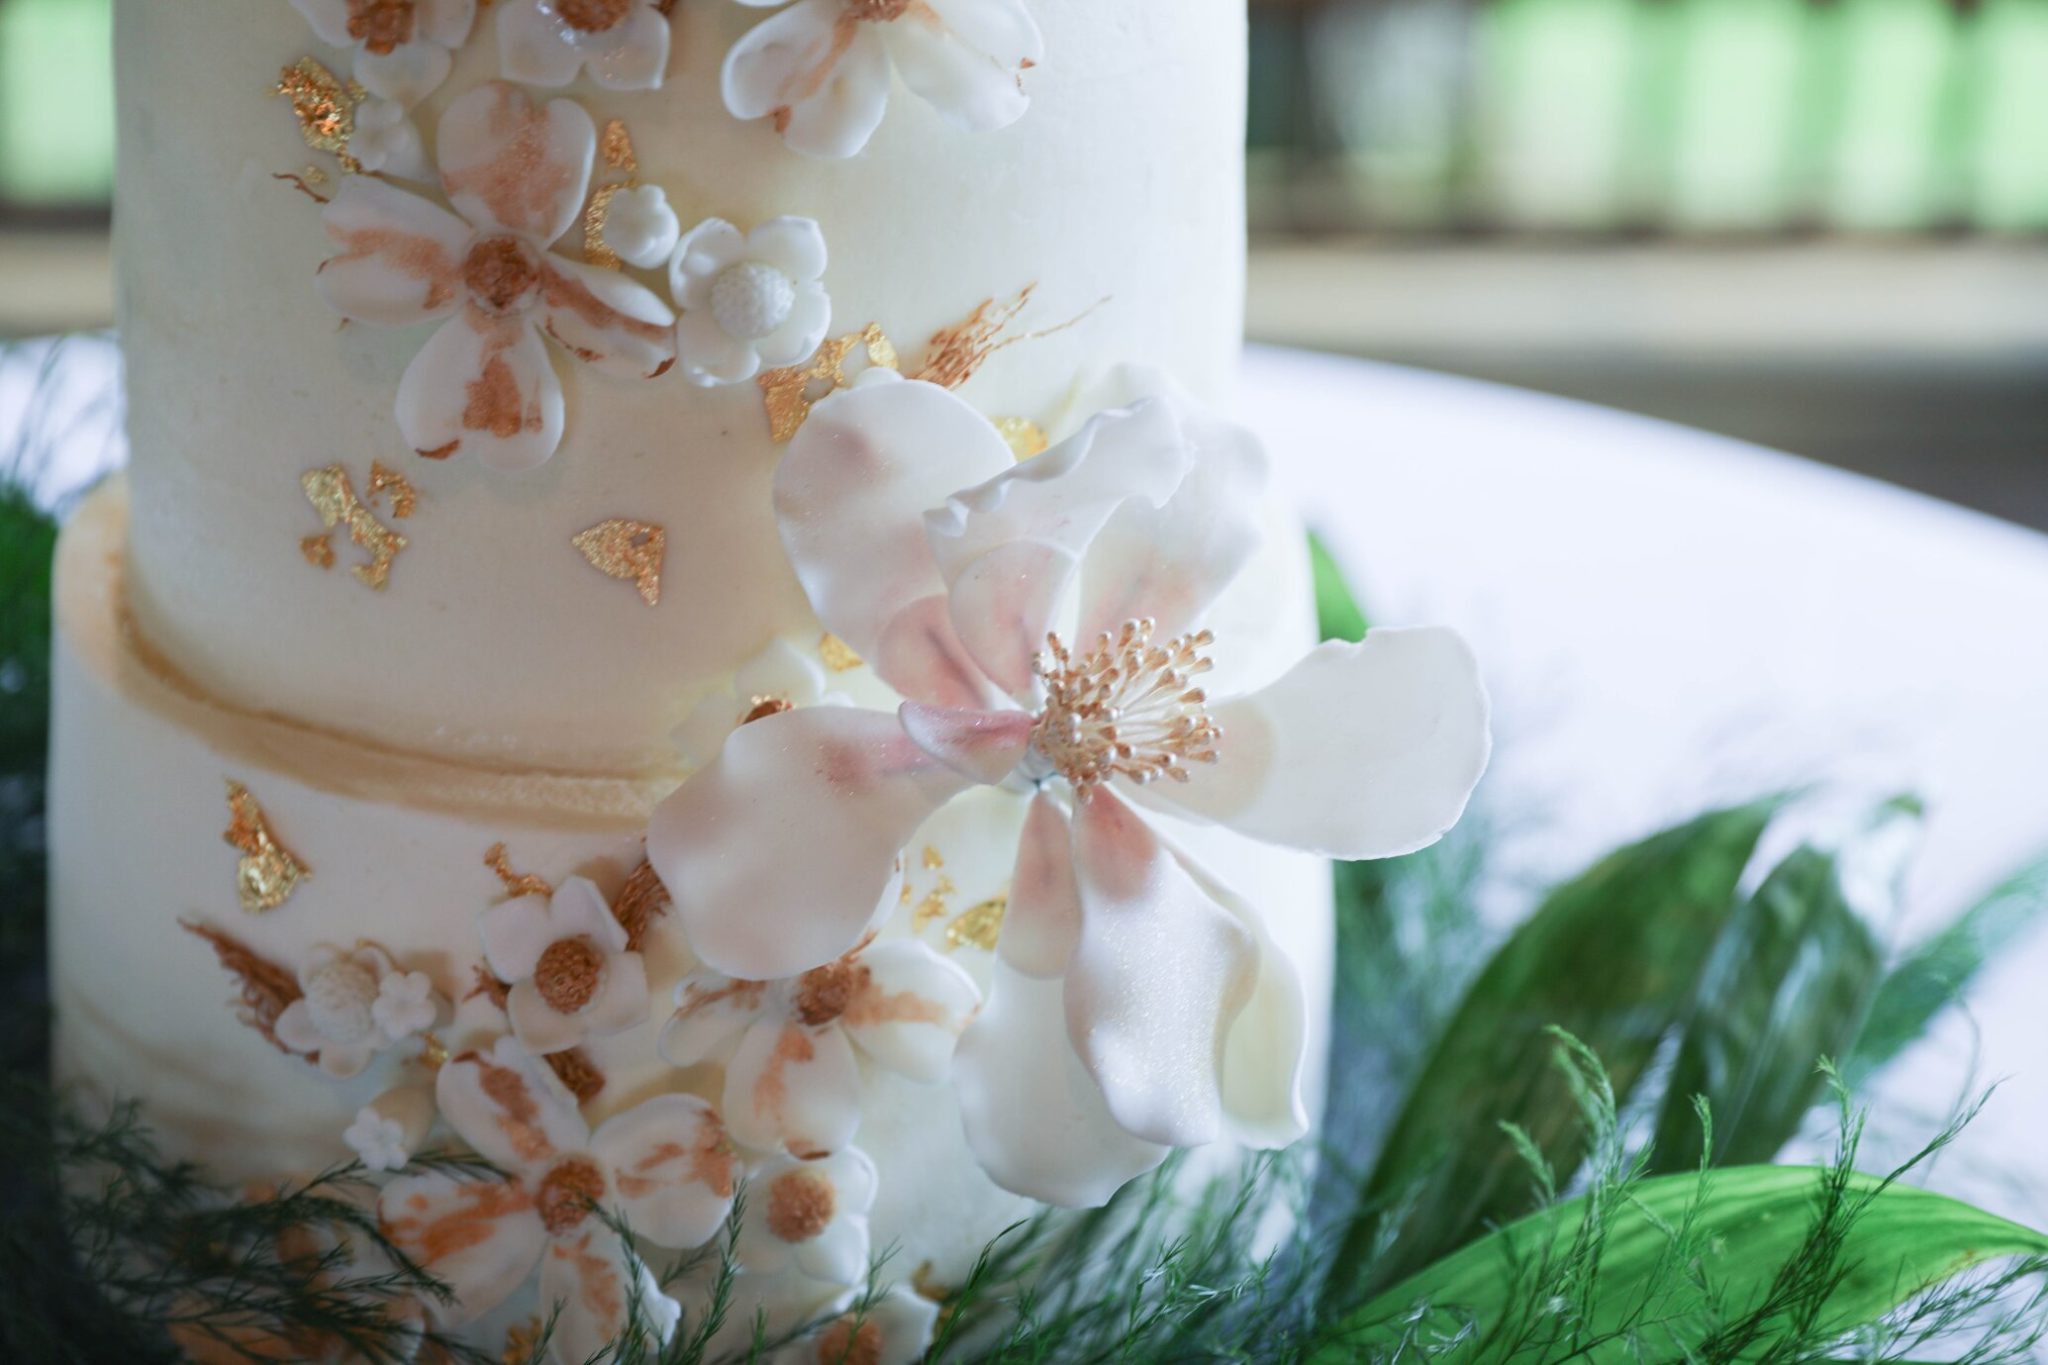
<point x="494" y="640"/>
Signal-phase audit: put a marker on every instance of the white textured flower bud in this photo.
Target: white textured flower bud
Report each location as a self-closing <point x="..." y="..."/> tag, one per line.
<point x="641" y="227"/>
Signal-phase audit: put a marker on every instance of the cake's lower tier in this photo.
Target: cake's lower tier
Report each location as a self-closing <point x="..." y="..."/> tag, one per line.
<point x="394" y="849"/>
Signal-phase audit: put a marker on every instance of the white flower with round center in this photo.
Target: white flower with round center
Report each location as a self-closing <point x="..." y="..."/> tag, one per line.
<point x="623" y="44"/>
<point x="387" y="1131"/>
<point x="821" y="69"/>
<point x="403" y="48"/>
<point x="809" y="1216"/>
<point x="385" y="142"/>
<point x="516" y="174"/>
<point x="780" y="678"/>
<point x="788" y="1047"/>
<point x="665" y="1167"/>
<point x="640" y="226"/>
<point x="749" y="300"/>
<point x="337" y="1019"/>
<point x="1137" y="1004"/>
<point x="565" y="958"/>
<point x="896" y="1328"/>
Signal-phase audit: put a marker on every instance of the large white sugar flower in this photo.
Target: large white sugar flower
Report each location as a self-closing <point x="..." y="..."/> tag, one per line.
<point x="665" y="1167"/>
<point x="1136" y="1003"/>
<point x="516" y="174"/>
<point x="810" y="1217"/>
<point x="895" y="1329"/>
<point x="566" y="960"/>
<point x="821" y="68"/>
<point x="353" y="1005"/>
<point x="403" y="48"/>
<point x="749" y="299"/>
<point x="623" y="44"/>
<point x="788" y="1046"/>
<point x="780" y="678"/>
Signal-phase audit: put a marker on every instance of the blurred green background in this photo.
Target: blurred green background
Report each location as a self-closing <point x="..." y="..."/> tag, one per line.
<point x="1819" y="224"/>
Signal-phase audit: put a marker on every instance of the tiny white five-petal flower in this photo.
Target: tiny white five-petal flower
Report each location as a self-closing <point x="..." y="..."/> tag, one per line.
<point x="403" y="48"/>
<point x="809" y="1216"/>
<point x="337" y="1018"/>
<point x="822" y="68"/>
<point x="516" y="173"/>
<point x="567" y="961"/>
<point x="387" y="1131"/>
<point x="791" y="1080"/>
<point x="749" y="299"/>
<point x="623" y="44"/>
<point x="664" y="1166"/>
<point x="1137" y="1004"/>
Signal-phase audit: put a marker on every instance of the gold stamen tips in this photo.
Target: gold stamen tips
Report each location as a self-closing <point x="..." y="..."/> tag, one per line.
<point x="1126" y="708"/>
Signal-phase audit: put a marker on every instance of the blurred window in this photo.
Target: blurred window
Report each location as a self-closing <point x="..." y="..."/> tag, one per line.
<point x="56" y="108"/>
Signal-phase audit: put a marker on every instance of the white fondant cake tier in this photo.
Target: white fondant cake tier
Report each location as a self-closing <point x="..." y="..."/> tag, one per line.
<point x="396" y="847"/>
<point x="1118" y="195"/>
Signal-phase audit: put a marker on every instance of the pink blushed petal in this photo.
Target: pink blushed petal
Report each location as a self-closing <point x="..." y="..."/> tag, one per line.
<point x="515" y="934"/>
<point x="1159" y="976"/>
<point x="508" y="1107"/>
<point x="792" y="1087"/>
<point x="910" y="1009"/>
<point x="606" y="320"/>
<point x="922" y="658"/>
<point x="531" y="48"/>
<point x="986" y="746"/>
<point x="779" y="853"/>
<point x="397" y="258"/>
<point x="1034" y="1117"/>
<point x="852" y="491"/>
<point x="483" y="386"/>
<point x="819" y="73"/>
<point x="510" y="165"/>
<point x="635" y="55"/>
<point x="407" y="74"/>
<point x="1169" y="564"/>
<point x="590" y="1284"/>
<point x="1002" y="606"/>
<point x="1359" y="751"/>
<point x="712" y="1012"/>
<point x="480" y="1237"/>
<point x="673" y="1169"/>
<point x="978" y="88"/>
<point x="1044" y="919"/>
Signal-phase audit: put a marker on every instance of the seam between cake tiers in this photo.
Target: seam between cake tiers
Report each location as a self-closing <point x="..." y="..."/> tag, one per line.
<point x="94" y="622"/>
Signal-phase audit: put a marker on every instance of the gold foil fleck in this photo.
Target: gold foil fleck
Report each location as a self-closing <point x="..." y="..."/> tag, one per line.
<point x="629" y="550"/>
<point x="318" y="550"/>
<point x="268" y="873"/>
<point x="489" y="987"/>
<point x="837" y="654"/>
<point x="979" y="927"/>
<point x="265" y="987"/>
<point x="954" y="353"/>
<point x="596" y="214"/>
<point x="933" y="859"/>
<point x="298" y="182"/>
<point x="516" y="884"/>
<point x="616" y="147"/>
<point x="433" y="1052"/>
<point x="314" y="176"/>
<point x="1024" y="437"/>
<point x="334" y="497"/>
<point x="927" y="1285"/>
<point x="790" y="393"/>
<point x="933" y="907"/>
<point x="405" y="499"/>
<point x="324" y="106"/>
<point x="641" y="901"/>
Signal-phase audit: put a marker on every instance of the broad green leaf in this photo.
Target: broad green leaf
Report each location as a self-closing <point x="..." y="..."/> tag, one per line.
<point x="1614" y="958"/>
<point x="1691" y="1266"/>
<point x="1933" y="976"/>
<point x="1788" y="985"/>
<point x="1337" y="609"/>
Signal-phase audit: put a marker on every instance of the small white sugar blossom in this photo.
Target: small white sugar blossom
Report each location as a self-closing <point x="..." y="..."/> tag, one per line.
<point x="810" y="1217"/>
<point x="403" y="49"/>
<point x="791" y="1077"/>
<point x="385" y="142"/>
<point x="567" y="961"/>
<point x="641" y="227"/>
<point x="623" y="44"/>
<point x="821" y="69"/>
<point x="1137" y="1004"/>
<point x="336" y="1020"/>
<point x="749" y="299"/>
<point x="780" y="678"/>
<point x="387" y="1131"/>
<point x="406" y="1004"/>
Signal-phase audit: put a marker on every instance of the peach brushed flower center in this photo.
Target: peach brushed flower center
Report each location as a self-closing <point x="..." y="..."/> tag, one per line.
<point x="823" y="993"/>
<point x="593" y="16"/>
<point x="567" y="1193"/>
<point x="800" y="1205"/>
<point x="1125" y="708"/>
<point x="381" y="26"/>
<point x="502" y="273"/>
<point x="760" y="708"/>
<point x="568" y="973"/>
<point x="850" y="1341"/>
<point x="878" y="11"/>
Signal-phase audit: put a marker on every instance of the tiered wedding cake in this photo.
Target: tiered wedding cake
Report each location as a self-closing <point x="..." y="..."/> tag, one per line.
<point x="540" y="405"/>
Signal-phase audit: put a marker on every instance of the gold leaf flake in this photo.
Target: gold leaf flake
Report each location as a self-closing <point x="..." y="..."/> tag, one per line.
<point x="325" y="107"/>
<point x="927" y="1285"/>
<point x="933" y="859"/>
<point x="1024" y="437"/>
<point x="596" y="214"/>
<point x="790" y="393"/>
<point x="616" y="147"/>
<point x="629" y="550"/>
<point x="266" y="988"/>
<point x="954" y="353"/>
<point x="384" y="479"/>
<point x="334" y="497"/>
<point x="516" y="884"/>
<point x="268" y="873"/>
<point x="979" y="927"/>
<point x="641" y="901"/>
<point x="933" y="907"/>
<point x="318" y="550"/>
<point x="837" y="654"/>
<point x="433" y="1052"/>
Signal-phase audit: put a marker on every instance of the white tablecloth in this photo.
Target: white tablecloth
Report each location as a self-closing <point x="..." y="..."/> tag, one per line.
<point x="1669" y="618"/>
